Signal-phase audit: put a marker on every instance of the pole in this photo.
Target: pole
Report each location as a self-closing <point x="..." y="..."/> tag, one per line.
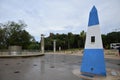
<point x="42" y="67"/>
<point x="53" y="56"/>
<point x="42" y="43"/>
<point x="54" y="45"/>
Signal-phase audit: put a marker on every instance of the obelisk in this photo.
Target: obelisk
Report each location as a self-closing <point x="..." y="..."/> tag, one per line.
<point x="93" y="58"/>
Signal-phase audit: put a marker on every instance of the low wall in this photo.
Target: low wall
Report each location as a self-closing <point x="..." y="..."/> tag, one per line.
<point x="15" y="50"/>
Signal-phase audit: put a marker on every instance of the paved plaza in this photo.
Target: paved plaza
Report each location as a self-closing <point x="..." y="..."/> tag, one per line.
<point x="48" y="67"/>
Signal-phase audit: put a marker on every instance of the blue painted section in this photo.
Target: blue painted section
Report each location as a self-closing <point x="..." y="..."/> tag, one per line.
<point x="93" y="62"/>
<point x="93" y="17"/>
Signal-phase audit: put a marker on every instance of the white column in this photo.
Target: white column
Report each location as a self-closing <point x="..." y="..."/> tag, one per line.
<point x="42" y="43"/>
<point x="54" y="45"/>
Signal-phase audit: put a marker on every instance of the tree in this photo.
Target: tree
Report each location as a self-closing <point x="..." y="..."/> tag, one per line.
<point x="13" y="33"/>
<point x="104" y="40"/>
<point x="2" y="39"/>
<point x="70" y="40"/>
<point x="82" y="39"/>
<point x="112" y="37"/>
<point x="34" y="45"/>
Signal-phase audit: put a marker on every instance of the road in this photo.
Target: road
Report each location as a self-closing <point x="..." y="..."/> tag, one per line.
<point x="48" y="67"/>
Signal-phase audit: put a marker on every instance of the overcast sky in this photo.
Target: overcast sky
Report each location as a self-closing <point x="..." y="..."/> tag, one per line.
<point x="60" y="16"/>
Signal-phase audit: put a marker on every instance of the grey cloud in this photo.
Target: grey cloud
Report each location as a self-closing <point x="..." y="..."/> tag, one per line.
<point x="60" y="15"/>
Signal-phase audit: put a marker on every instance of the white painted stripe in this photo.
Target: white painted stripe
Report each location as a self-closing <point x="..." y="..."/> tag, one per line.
<point x="93" y="31"/>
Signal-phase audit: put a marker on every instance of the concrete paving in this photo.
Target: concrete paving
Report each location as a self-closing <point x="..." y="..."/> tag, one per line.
<point x="48" y="67"/>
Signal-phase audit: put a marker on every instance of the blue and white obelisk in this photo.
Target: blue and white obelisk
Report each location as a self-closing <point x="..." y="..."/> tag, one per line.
<point x="93" y="58"/>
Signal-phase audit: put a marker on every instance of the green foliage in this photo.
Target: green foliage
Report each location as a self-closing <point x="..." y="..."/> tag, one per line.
<point x="71" y="41"/>
<point x="112" y="37"/>
<point x="34" y="46"/>
<point x="65" y="41"/>
<point x="2" y="39"/>
<point x="13" y="33"/>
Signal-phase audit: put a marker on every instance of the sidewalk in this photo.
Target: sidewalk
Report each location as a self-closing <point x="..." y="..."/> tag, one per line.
<point x="112" y="57"/>
<point x="81" y="54"/>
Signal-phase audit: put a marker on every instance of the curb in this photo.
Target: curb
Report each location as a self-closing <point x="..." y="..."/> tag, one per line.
<point x="15" y="56"/>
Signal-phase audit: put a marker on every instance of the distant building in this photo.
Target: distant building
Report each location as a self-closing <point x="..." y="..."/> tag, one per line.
<point x="114" y="45"/>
